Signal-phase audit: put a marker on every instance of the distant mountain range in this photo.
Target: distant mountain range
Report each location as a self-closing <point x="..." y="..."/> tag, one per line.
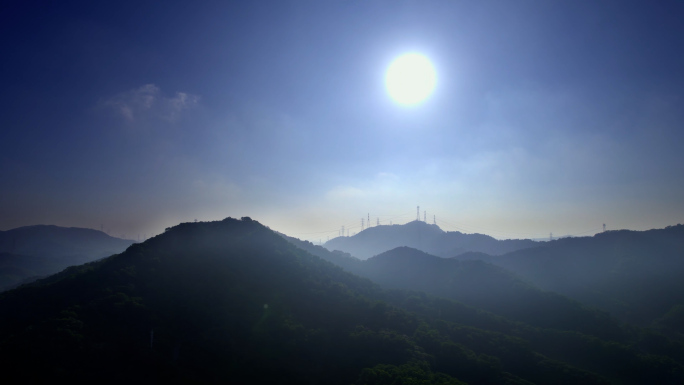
<point x="29" y="252"/>
<point x="637" y="276"/>
<point x="473" y="282"/>
<point x="422" y="236"/>
<point x="233" y="302"/>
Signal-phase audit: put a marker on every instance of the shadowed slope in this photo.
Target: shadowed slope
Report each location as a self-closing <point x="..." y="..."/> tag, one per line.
<point x="232" y="301"/>
<point x="635" y="275"/>
<point x="485" y="286"/>
<point x="32" y="251"/>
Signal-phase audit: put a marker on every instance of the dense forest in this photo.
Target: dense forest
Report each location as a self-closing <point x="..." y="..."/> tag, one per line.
<point x="232" y="301"/>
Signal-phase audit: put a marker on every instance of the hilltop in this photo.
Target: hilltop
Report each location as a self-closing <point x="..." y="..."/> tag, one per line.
<point x="232" y="301"/>
<point x="423" y="236"/>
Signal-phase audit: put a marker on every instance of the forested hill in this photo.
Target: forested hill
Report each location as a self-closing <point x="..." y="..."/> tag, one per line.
<point x="422" y="236"/>
<point x="476" y="283"/>
<point x="636" y="275"/>
<point x="488" y="287"/>
<point x="337" y="257"/>
<point x="31" y="251"/>
<point x="54" y="241"/>
<point x="233" y="302"/>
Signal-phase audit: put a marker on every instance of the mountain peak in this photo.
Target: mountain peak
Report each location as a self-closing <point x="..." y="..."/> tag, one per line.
<point x="422" y="236"/>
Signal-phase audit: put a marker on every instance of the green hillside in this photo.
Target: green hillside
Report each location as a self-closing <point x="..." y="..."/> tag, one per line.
<point x="232" y="301"/>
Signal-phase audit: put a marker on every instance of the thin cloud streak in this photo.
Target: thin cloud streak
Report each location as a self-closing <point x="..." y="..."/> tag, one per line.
<point x="149" y="101"/>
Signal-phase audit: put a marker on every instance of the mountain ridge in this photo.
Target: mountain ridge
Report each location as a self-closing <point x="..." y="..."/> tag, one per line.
<point x="476" y="283"/>
<point x="422" y="236"/>
<point x="233" y="301"/>
<point x="635" y="275"/>
<point x="39" y="250"/>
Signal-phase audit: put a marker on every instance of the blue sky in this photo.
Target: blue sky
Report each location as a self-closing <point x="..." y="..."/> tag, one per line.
<point x="547" y="117"/>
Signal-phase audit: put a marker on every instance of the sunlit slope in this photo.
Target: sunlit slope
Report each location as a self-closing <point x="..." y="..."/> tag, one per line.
<point x="233" y="302"/>
<point x="635" y="275"/>
<point x="422" y="236"/>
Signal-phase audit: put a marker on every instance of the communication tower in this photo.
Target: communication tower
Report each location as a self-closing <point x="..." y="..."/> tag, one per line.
<point x="417" y="213"/>
<point x="362" y="223"/>
<point x="604" y="227"/>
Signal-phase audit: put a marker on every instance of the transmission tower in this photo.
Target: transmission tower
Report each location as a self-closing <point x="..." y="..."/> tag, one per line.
<point x="362" y="219"/>
<point x="425" y="216"/>
<point x="434" y="219"/>
<point x="550" y="236"/>
<point x="604" y="227"/>
<point x="368" y="220"/>
<point x="417" y="213"/>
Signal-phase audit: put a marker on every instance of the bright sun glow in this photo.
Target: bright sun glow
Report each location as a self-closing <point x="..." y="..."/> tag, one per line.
<point x="410" y="78"/>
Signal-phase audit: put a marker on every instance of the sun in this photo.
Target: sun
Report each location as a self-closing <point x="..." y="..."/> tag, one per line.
<point x="410" y="78"/>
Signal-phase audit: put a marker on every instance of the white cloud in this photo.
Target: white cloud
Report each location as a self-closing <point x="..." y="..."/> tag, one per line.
<point x="149" y="101"/>
<point x="172" y="108"/>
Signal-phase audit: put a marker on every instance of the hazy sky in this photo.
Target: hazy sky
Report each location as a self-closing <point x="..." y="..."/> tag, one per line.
<point x="547" y="116"/>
